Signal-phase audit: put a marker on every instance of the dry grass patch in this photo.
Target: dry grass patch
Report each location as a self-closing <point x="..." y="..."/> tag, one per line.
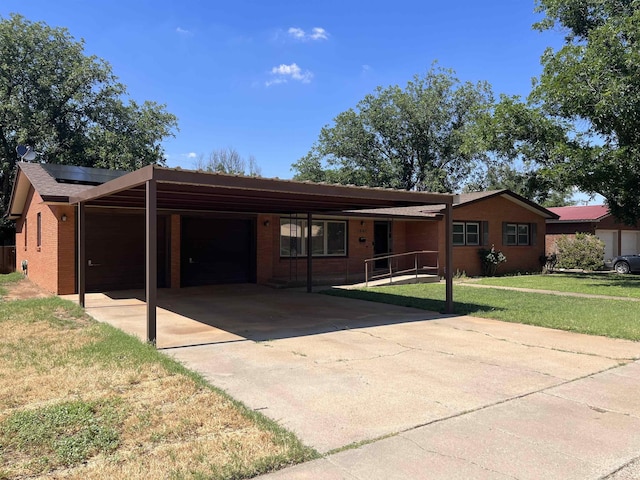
<point x="66" y="381"/>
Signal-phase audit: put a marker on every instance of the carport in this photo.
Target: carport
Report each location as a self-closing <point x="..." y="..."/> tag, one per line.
<point x="155" y="189"/>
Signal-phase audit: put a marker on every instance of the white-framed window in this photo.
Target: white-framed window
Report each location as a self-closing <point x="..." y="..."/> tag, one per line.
<point x="328" y="238"/>
<point x="466" y="233"/>
<point x="516" y="234"/>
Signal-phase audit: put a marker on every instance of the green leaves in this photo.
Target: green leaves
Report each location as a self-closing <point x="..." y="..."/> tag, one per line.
<point x="70" y="106"/>
<point x="594" y="81"/>
<point x="416" y="138"/>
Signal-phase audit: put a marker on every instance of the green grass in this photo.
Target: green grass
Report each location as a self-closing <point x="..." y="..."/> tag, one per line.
<point x="611" y="318"/>
<point x="65" y="434"/>
<point x="52" y="432"/>
<point x="593" y="284"/>
<point x="9" y="278"/>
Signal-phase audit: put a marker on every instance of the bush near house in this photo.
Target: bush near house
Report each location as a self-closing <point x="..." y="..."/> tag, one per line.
<point x="583" y="251"/>
<point x="490" y="260"/>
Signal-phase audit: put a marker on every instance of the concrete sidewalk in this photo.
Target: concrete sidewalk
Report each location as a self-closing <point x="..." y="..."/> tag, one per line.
<point x="583" y="429"/>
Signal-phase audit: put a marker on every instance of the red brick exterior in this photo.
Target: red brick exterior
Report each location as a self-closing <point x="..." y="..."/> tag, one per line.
<point x="52" y="264"/>
<point x="496" y="210"/>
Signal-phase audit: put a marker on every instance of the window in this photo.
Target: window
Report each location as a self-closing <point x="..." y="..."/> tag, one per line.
<point x="328" y="238"/>
<point x="39" y="230"/>
<point x="518" y="233"/>
<point x="466" y="233"/>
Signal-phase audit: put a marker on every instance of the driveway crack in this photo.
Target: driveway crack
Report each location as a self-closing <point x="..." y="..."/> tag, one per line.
<point x="621" y="361"/>
<point x="455" y="457"/>
<point x="589" y="405"/>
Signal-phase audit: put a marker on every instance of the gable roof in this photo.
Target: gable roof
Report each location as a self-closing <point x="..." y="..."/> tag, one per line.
<point x="54" y="183"/>
<point x="582" y="213"/>
<point x="463" y="199"/>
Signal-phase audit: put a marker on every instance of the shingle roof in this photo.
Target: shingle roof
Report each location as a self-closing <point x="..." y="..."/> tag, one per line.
<point x="54" y="183"/>
<point x="462" y="199"/>
<point x="46" y="185"/>
<point x="582" y="213"/>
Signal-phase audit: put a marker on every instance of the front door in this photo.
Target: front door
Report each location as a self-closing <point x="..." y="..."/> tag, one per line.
<point x="381" y="243"/>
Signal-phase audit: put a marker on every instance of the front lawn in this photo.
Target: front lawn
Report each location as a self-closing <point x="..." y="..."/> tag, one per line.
<point x="593" y="284"/>
<point x="611" y="318"/>
<point x="80" y="399"/>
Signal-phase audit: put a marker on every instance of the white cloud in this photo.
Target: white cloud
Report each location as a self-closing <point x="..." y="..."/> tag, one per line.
<point x="317" y="33"/>
<point x="282" y="73"/>
<point x="183" y="31"/>
<point x="296" y="32"/>
<point x="191" y="155"/>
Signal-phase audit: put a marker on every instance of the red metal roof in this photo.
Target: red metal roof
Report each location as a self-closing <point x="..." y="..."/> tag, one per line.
<point x="586" y="213"/>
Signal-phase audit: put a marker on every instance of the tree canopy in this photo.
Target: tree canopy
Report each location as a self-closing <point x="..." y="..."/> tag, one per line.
<point x="521" y="141"/>
<point x="594" y="81"/>
<point x="69" y="106"/>
<point x="228" y="160"/>
<point x="421" y="137"/>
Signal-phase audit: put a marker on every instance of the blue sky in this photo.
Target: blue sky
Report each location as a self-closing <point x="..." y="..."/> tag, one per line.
<point x="264" y="77"/>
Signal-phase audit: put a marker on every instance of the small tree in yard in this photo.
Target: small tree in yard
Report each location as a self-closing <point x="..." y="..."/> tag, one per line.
<point x="583" y="251"/>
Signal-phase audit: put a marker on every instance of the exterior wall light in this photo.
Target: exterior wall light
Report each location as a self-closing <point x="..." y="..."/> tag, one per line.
<point x="64" y="217"/>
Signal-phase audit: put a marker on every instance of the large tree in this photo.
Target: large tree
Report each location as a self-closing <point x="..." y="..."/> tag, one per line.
<point x="421" y="137"/>
<point x="521" y="142"/>
<point x="69" y="106"/>
<point x="594" y="81"/>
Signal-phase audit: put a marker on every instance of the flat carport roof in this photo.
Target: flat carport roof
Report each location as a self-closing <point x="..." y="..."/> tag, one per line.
<point x="154" y="188"/>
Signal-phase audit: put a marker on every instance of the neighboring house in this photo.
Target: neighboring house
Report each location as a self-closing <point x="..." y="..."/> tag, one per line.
<point x="209" y="228"/>
<point x="500" y="218"/>
<point x="618" y="238"/>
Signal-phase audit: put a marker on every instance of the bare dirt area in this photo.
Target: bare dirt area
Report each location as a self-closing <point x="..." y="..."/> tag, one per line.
<point x="24" y="289"/>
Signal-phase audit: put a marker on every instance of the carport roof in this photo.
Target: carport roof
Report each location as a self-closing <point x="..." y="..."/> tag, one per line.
<point x="185" y="190"/>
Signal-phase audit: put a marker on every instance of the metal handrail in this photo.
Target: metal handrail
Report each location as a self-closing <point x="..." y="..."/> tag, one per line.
<point x="390" y="274"/>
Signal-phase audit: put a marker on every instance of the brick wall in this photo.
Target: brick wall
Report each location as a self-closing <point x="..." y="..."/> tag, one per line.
<point x="495" y="211"/>
<point x="43" y="260"/>
<point x="405" y="236"/>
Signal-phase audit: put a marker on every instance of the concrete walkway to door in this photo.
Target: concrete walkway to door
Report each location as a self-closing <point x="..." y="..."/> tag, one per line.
<point x="430" y="396"/>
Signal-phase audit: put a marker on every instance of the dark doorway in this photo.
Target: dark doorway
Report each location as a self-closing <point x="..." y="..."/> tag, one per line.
<point x="217" y="250"/>
<point x="381" y="243"/>
<point x="116" y="245"/>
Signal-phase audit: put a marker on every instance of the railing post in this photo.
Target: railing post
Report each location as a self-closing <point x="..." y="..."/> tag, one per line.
<point x="415" y="259"/>
<point x="366" y="274"/>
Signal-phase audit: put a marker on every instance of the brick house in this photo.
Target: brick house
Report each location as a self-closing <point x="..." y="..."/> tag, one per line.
<point x="213" y="228"/>
<point x="210" y="228"/>
<point x="618" y="238"/>
<point x="499" y="218"/>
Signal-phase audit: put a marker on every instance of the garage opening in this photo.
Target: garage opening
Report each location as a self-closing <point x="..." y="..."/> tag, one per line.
<point x="217" y="250"/>
<point x="116" y="251"/>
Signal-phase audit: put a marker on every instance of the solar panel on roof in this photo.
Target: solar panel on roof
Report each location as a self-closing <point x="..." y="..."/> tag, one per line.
<point x="81" y="175"/>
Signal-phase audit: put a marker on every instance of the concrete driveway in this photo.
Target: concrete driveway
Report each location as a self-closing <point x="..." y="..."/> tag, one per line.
<point x="457" y="397"/>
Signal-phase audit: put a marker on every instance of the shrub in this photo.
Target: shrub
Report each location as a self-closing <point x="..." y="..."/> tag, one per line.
<point x="583" y="251"/>
<point x="490" y="260"/>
